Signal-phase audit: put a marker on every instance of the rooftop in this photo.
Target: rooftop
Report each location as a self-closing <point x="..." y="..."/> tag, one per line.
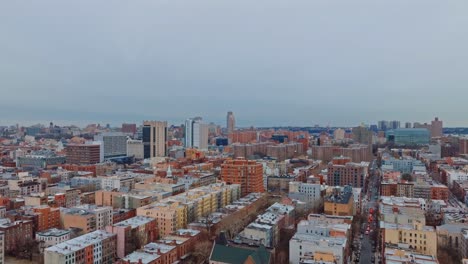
<point x="6" y="222"/>
<point x="231" y="254"/>
<point x="387" y="225"/>
<point x="54" y="232"/>
<point x="340" y="198"/>
<point x="280" y="208"/>
<point x="330" y="226"/>
<point x="189" y="232"/>
<point x="402" y="201"/>
<point x="319" y="240"/>
<point x="80" y="242"/>
<point x="398" y="256"/>
<point x="453" y="228"/>
<point x="135" y="222"/>
<point x="145" y="258"/>
<point x="170" y="239"/>
<point x="158" y="247"/>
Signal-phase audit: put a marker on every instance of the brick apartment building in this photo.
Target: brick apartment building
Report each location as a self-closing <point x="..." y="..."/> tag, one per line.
<point x="133" y="233"/>
<point x="247" y="173"/>
<point x="341" y="172"/>
<point x="388" y="188"/>
<point x="356" y="153"/>
<point x="129" y="128"/>
<point x="83" y="153"/>
<point x="16" y="232"/>
<point x="463" y="146"/>
<point x="47" y="217"/>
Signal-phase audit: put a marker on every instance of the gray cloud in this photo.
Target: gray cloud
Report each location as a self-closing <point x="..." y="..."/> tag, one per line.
<point x="271" y="62"/>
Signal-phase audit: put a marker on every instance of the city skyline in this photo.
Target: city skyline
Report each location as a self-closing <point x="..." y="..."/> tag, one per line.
<point x="301" y="64"/>
<point x="222" y="124"/>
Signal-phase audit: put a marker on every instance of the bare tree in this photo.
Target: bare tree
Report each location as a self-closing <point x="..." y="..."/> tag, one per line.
<point x="202" y="251"/>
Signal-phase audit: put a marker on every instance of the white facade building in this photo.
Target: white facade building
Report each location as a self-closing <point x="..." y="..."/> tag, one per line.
<point x="196" y="133"/>
<point x="102" y="246"/>
<point x="200" y="135"/>
<point x="114" y="144"/>
<point x="102" y="214"/>
<point x="135" y="148"/>
<point x="303" y="248"/>
<point x="309" y="193"/>
<point x="53" y="236"/>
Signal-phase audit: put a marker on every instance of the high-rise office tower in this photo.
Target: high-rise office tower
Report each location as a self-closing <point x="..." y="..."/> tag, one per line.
<point x="394" y="124"/>
<point x="196" y="133"/>
<point x="154" y="139"/>
<point x="231" y="122"/>
<point x="362" y="135"/>
<point x="383" y="125"/>
<point x="200" y="135"/>
<point x="189" y="133"/>
<point x="408" y="125"/>
<point x="436" y="127"/>
<point x="114" y="144"/>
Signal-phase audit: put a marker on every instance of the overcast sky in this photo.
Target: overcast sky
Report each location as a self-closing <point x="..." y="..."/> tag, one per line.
<point x="270" y="62"/>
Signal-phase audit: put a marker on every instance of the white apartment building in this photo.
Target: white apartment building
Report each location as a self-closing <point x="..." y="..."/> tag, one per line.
<point x="53" y="236"/>
<point x="114" y="144"/>
<point x="306" y="248"/>
<point x="135" y="148"/>
<point x="103" y="247"/>
<point x="309" y="193"/>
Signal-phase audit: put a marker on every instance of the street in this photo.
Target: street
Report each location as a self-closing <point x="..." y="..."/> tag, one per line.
<point x="367" y="243"/>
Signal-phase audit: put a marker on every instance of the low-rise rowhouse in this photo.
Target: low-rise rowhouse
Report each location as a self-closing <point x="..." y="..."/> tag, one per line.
<point x="53" y="236"/>
<point x="88" y="218"/>
<point x="139" y="257"/>
<point x="394" y="255"/>
<point x="16" y="233"/>
<point x="321" y="238"/>
<point x="96" y="247"/>
<point x="340" y="202"/>
<point x="133" y="233"/>
<point x="303" y="248"/>
<point x="417" y="237"/>
<point x="266" y="228"/>
<point x="451" y="236"/>
<point x="177" y="211"/>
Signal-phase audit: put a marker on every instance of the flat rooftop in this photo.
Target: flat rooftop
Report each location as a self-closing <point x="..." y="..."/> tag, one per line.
<point x="319" y="240"/>
<point x="80" y="242"/>
<point x="144" y="257"/>
<point x="135" y="222"/>
<point x="54" y="232"/>
<point x="158" y="247"/>
<point x="397" y="256"/>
